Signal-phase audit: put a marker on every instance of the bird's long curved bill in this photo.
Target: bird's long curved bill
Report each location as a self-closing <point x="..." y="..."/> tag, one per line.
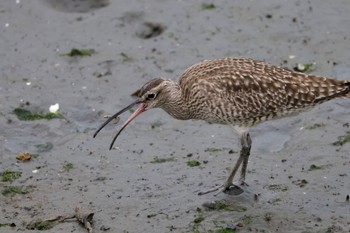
<point x="139" y="110"/>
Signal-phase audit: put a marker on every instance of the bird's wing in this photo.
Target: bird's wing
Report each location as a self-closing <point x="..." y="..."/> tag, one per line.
<point x="234" y="76"/>
<point x="249" y="96"/>
<point x="251" y="89"/>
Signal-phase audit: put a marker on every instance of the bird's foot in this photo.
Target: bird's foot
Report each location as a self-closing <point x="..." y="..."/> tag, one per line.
<point x="230" y="189"/>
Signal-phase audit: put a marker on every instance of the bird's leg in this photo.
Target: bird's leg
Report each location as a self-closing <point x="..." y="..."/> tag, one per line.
<point x="228" y="182"/>
<point x="246" y="143"/>
<point x="246" y="146"/>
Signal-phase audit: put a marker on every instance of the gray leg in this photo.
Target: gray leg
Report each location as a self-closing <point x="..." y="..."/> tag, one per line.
<point x="246" y="143"/>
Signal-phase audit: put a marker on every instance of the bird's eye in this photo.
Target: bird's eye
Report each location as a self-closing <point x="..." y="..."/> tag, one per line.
<point x="151" y="96"/>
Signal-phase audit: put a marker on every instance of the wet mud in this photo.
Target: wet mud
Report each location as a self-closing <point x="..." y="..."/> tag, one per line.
<point x="298" y="173"/>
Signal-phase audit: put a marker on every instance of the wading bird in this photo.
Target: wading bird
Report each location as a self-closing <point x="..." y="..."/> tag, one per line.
<point x="235" y="91"/>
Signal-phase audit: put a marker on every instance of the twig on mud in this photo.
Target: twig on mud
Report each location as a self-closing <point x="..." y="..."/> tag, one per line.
<point x="85" y="217"/>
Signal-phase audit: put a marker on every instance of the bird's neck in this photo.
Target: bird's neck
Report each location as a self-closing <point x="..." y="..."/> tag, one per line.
<point x="174" y="103"/>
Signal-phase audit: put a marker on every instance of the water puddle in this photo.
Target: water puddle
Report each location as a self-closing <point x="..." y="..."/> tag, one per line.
<point x="270" y="141"/>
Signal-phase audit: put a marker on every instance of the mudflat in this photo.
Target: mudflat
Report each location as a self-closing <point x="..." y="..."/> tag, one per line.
<point x="90" y="56"/>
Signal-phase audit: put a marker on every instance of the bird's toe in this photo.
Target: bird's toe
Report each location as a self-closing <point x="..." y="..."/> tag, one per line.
<point x="215" y="189"/>
<point x="243" y="183"/>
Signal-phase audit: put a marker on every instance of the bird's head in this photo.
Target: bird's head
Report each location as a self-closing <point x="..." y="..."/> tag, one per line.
<point x="149" y="96"/>
<point x="151" y="93"/>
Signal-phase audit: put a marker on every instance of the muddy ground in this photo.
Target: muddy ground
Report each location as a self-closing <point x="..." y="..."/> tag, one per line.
<point x="300" y="177"/>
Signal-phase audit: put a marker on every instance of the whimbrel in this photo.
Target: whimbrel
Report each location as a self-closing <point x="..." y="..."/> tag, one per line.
<point x="238" y="92"/>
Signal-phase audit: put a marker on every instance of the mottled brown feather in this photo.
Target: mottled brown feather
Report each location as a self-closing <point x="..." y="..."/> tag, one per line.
<point x="147" y="87"/>
<point x="246" y="91"/>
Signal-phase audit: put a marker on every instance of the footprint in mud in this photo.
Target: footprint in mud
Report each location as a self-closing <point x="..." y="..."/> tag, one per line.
<point x="143" y="28"/>
<point x="148" y="30"/>
<point x="234" y="190"/>
<point x="81" y="6"/>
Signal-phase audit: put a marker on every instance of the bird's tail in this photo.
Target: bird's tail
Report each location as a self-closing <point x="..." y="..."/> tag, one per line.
<point x="337" y="89"/>
<point x="348" y="94"/>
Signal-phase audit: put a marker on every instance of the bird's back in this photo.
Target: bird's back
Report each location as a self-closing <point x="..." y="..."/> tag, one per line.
<point x="246" y="92"/>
